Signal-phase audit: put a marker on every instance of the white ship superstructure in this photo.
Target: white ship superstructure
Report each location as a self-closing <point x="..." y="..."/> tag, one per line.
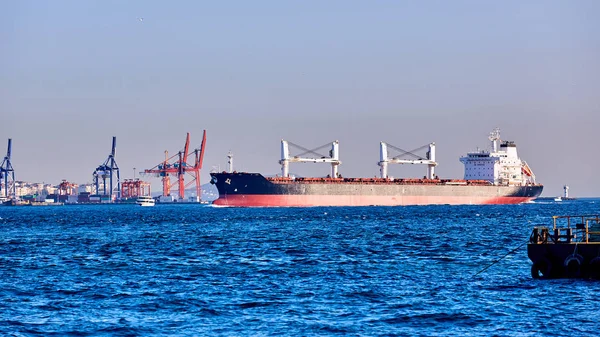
<point x="501" y="165"/>
<point x="145" y="201"/>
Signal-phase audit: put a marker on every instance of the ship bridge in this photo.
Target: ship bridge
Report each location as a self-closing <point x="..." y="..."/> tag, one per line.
<point x="500" y="166"/>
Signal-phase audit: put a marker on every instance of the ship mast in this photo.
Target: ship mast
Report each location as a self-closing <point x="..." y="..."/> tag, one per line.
<point x="495" y="138"/>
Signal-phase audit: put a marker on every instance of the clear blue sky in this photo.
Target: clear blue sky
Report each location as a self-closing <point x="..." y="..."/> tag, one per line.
<point x="75" y="73"/>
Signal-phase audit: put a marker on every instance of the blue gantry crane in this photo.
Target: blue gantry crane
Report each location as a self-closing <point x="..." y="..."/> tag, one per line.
<point x="7" y="175"/>
<point x="109" y="169"/>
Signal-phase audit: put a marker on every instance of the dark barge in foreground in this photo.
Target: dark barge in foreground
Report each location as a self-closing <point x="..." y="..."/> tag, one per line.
<point x="570" y="249"/>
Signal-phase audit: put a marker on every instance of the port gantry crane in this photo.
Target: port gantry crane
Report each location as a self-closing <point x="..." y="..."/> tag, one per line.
<point x="66" y="188"/>
<point x="7" y="175"/>
<point x="109" y="169"/>
<point x="180" y="167"/>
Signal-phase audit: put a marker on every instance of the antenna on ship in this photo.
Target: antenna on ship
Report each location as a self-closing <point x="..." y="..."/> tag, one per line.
<point x="494" y="138"/>
<point x="384" y="160"/>
<point x="333" y="158"/>
<point x="7" y="175"/>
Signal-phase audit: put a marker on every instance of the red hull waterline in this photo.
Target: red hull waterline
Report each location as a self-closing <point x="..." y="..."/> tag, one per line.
<point x="242" y="200"/>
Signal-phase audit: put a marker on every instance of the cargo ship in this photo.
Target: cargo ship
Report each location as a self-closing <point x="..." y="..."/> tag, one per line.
<point x="494" y="176"/>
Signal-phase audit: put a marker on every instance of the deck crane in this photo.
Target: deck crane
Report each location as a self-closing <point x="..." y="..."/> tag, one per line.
<point x="109" y="169"/>
<point x="7" y="175"/>
<point x="333" y="158"/>
<point x="178" y="165"/>
<point x="429" y="159"/>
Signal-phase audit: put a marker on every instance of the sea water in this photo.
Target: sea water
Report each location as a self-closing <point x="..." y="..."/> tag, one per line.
<point x="192" y="270"/>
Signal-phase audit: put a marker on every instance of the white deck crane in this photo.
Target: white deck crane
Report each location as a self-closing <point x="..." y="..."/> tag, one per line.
<point x="333" y="159"/>
<point x="384" y="160"/>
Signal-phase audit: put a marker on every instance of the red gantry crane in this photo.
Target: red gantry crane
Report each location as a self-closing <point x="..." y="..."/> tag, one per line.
<point x="133" y="188"/>
<point x="66" y="189"/>
<point x="178" y="166"/>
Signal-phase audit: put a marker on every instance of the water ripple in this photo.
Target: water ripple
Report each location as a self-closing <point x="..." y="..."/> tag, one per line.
<point x="203" y="271"/>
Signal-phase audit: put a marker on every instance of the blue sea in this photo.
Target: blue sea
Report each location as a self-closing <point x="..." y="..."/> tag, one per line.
<point x="192" y="270"/>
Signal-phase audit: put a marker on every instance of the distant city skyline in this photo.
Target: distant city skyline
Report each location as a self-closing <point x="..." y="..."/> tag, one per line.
<point x="74" y="74"/>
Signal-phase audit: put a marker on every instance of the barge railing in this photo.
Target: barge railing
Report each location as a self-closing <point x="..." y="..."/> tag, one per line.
<point x="579" y="229"/>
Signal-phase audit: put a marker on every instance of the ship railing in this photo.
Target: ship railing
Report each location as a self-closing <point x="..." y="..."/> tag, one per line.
<point x="542" y="235"/>
<point x="376" y="180"/>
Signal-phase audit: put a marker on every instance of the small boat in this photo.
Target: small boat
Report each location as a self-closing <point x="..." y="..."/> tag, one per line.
<point x="558" y="199"/>
<point x="145" y="201"/>
<point x="568" y="249"/>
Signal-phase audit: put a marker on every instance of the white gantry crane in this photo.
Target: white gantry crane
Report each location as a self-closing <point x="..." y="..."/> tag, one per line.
<point x="333" y="158"/>
<point x="429" y="159"/>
